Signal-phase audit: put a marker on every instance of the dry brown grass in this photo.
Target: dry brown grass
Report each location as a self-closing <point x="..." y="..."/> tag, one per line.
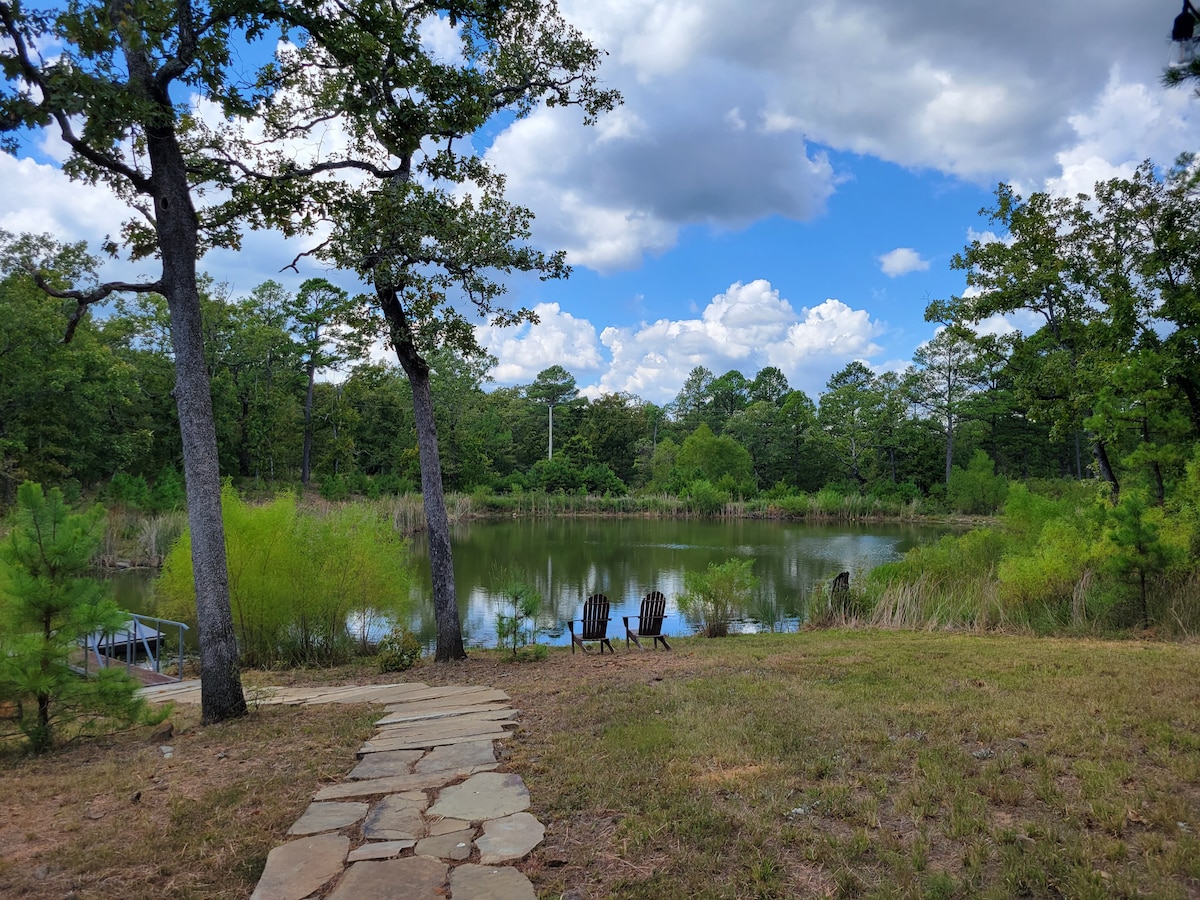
<point x="114" y="818"/>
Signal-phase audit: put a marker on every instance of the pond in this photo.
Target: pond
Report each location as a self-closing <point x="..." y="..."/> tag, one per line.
<point x="567" y="560"/>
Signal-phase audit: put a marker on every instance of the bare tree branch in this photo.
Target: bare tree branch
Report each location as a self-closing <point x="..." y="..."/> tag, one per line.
<point x="84" y="299"/>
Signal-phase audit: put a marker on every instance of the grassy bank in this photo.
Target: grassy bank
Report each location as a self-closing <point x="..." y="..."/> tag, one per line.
<point x="873" y="764"/>
<point x="848" y="763"/>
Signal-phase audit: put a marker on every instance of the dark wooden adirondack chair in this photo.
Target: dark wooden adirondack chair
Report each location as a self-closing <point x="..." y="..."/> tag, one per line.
<point x="654" y="608"/>
<point x="594" y="624"/>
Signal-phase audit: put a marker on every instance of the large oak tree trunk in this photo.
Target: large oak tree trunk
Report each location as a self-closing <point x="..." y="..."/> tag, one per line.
<point x="441" y="560"/>
<point x="220" y="679"/>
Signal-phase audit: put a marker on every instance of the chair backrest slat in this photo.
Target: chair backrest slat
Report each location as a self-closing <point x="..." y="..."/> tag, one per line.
<point x="654" y="609"/>
<point x="595" y="617"/>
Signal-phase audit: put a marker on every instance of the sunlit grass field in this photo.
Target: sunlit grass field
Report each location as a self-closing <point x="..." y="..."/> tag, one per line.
<point x="854" y="763"/>
<point x="876" y="764"/>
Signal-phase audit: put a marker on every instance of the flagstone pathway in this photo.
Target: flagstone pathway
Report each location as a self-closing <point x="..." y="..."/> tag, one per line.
<point x="423" y="816"/>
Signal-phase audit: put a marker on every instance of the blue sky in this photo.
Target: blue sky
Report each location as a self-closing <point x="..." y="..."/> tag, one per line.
<point x="786" y="182"/>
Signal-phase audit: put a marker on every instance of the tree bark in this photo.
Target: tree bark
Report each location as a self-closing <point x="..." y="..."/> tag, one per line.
<point x="949" y="449"/>
<point x="441" y="560"/>
<point x="1106" y="469"/>
<point x="306" y="460"/>
<point x="1189" y="391"/>
<point x="177" y="227"/>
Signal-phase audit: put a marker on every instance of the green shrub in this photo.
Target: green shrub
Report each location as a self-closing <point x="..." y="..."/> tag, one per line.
<point x="705" y="498"/>
<point x="334" y="488"/>
<point x="713" y="598"/>
<point x="168" y="494"/>
<point x="517" y="628"/>
<point x="1140" y="552"/>
<point x="398" y="651"/>
<point x="129" y="490"/>
<point x="829" y="501"/>
<point x="780" y="490"/>
<point x="303" y="587"/>
<point x="555" y="476"/>
<point x="1040" y="584"/>
<point x="598" y="478"/>
<point x="977" y="489"/>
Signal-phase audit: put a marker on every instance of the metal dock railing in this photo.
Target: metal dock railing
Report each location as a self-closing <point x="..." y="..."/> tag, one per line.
<point x="140" y="635"/>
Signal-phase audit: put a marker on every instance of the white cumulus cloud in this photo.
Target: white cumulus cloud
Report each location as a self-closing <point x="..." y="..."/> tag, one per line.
<point x="901" y="261"/>
<point x="558" y="338"/>
<point x="747" y="327"/>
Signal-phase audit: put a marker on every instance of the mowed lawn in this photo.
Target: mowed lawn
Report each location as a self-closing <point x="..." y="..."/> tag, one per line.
<point x="824" y="763"/>
<point x="868" y="763"/>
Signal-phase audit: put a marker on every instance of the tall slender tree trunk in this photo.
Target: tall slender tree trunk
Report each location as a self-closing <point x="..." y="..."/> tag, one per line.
<point x="949" y="449"/>
<point x="1106" y="469"/>
<point x="177" y="225"/>
<point x="441" y="560"/>
<point x="306" y="461"/>
<point x="245" y="463"/>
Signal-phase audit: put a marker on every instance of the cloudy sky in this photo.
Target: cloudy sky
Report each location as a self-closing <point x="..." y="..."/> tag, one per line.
<point x="787" y="180"/>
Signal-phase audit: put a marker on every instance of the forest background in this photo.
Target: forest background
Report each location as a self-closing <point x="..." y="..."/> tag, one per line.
<point x="1096" y="414"/>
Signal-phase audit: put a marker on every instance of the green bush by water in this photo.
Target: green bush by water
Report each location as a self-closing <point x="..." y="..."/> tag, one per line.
<point x="1061" y="558"/>
<point x="712" y="598"/>
<point x="398" y="651"/>
<point x="297" y="578"/>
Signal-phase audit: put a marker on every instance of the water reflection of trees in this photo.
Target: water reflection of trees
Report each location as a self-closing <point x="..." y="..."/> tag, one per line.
<point x="569" y="559"/>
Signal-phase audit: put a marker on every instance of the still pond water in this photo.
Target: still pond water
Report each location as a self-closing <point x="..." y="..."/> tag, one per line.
<point x="569" y="559"/>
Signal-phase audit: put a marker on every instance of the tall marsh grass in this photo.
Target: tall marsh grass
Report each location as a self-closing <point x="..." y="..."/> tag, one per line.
<point x="947" y="584"/>
<point x="298" y="578"/>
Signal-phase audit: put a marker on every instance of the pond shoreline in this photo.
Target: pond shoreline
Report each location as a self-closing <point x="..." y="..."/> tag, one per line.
<point x="408" y="518"/>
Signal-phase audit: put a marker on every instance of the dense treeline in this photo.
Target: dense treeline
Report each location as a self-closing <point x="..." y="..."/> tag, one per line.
<point x="1082" y="427"/>
<point x="98" y="412"/>
<point x="1104" y="382"/>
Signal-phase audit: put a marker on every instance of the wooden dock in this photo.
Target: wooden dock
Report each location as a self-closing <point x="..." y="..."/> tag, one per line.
<point x="145" y="676"/>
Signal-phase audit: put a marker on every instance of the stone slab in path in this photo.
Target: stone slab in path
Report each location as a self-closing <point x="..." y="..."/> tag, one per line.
<point x="394" y="784"/>
<point x="406" y="716"/>
<point x="457" y="757"/>
<point x="455" y="846"/>
<point x="445" y="826"/>
<point x="489" y="795"/>
<point x="491" y="732"/>
<point x="458" y="694"/>
<point x="395" y="818"/>
<point x="299" y="868"/>
<point x="328" y="817"/>
<point x="413" y="878"/>
<point x="471" y="882"/>
<point x="383" y="765"/>
<point x="380" y="850"/>
<point x="509" y="839"/>
<point x="435" y="728"/>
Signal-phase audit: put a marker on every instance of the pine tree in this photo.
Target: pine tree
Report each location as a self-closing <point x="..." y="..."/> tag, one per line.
<point x="46" y="605"/>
